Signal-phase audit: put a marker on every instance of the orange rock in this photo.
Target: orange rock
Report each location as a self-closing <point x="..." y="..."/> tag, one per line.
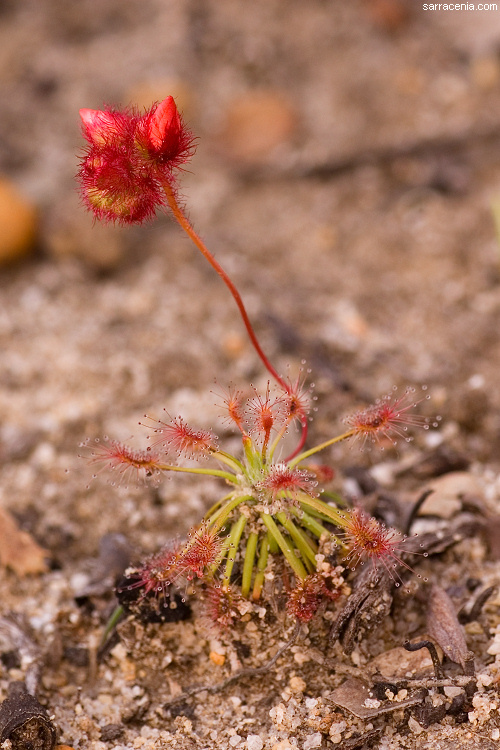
<point x="217" y="659"/>
<point x="389" y="15"/>
<point x="19" y="223"/>
<point x="256" y="123"/>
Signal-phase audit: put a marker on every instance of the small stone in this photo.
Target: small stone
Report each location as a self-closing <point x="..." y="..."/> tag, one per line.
<point x="398" y="663"/>
<point x="336" y="730"/>
<point x="256" y="123"/>
<point x="389" y="15"/>
<point x="254" y="742"/>
<point x="217" y="658"/>
<point x="297" y="685"/>
<point x="18" y="220"/>
<point x="111" y="732"/>
<point x="414" y="726"/>
<point x="312" y="741"/>
<point x="485" y="72"/>
<point x="447" y="494"/>
<point x="451" y="691"/>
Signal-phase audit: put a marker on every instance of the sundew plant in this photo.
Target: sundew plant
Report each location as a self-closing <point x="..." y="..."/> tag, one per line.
<point x="273" y="523"/>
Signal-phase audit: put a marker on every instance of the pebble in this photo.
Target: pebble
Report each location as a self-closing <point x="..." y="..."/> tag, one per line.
<point x="414" y="726"/>
<point x="389" y="15"/>
<point x="256" y="123"/>
<point x="217" y="659"/>
<point x="312" y="741"/>
<point x="254" y="742"/>
<point x="485" y="72"/>
<point x="448" y="491"/>
<point x="297" y="684"/>
<point x="18" y="220"/>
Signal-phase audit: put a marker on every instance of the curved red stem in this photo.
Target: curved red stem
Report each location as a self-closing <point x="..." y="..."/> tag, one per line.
<point x="185" y="224"/>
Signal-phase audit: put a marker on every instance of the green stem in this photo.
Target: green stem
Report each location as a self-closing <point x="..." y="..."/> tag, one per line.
<point x="217" y="504"/>
<point x="115" y="618"/>
<point x="301" y="541"/>
<point x="220" y="517"/>
<point x="284" y="546"/>
<point x="278" y="439"/>
<point x="273" y="545"/>
<point x="234" y="540"/>
<point x="261" y="568"/>
<point x="229" y="460"/>
<point x="209" y="472"/>
<point x="302" y="456"/>
<point x="248" y="564"/>
<point x="338" y="517"/>
<point x="310" y="523"/>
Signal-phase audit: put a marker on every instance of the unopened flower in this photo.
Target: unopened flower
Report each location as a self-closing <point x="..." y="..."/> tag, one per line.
<point x="129" y="159"/>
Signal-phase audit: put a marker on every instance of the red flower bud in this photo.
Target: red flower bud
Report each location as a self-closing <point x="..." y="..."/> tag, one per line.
<point x="165" y="130"/>
<point x="129" y="159"/>
<point x="101" y="127"/>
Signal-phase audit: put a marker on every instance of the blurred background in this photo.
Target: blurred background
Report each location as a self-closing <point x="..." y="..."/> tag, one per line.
<point x="347" y="175"/>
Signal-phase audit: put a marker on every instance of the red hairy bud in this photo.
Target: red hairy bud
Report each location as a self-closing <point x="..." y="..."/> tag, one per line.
<point x="129" y="159"/>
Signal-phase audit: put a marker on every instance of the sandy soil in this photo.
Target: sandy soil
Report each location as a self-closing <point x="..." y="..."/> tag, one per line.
<point x="346" y="175"/>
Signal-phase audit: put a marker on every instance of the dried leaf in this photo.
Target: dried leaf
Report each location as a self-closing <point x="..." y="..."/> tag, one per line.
<point x="356" y="697"/>
<point x="18" y="549"/>
<point x="398" y="664"/>
<point x="443" y="626"/>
